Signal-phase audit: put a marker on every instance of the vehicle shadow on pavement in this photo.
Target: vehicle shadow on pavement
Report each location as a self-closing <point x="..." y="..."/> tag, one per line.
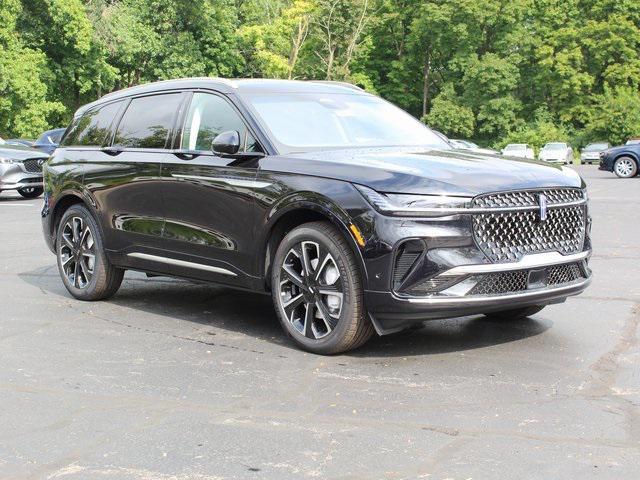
<point x="252" y="314"/>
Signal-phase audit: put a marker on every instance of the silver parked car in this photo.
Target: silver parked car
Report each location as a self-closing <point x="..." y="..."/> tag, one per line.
<point x="556" y="152"/>
<point x="521" y="150"/>
<point x="21" y="169"/>
<point x="474" y="147"/>
<point x="591" y="153"/>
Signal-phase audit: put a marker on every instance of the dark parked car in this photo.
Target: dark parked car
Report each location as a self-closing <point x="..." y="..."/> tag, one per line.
<point x="623" y="160"/>
<point x="21" y="169"/>
<point x="354" y="215"/>
<point x="49" y="140"/>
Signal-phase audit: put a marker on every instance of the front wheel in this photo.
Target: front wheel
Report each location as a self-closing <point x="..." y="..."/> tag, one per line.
<point x="625" y="167"/>
<point x="317" y="290"/>
<point x="516" y="313"/>
<point x="31" y="192"/>
<point x="82" y="262"/>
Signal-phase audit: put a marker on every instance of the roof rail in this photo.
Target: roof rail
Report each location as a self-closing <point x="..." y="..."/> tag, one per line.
<point x="342" y="84"/>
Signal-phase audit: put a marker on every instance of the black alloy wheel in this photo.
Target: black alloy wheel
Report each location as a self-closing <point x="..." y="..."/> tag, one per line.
<point x="82" y="262"/>
<point x="317" y="290"/>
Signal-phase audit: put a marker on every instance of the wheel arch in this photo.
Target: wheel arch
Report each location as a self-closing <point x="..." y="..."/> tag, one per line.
<point x="297" y="210"/>
<point x="629" y="154"/>
<point x="62" y="204"/>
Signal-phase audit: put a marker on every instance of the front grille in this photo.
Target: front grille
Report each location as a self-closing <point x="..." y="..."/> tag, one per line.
<point x="32" y="165"/>
<point x="528" y="198"/>
<point x="507" y="236"/>
<point x="518" y="280"/>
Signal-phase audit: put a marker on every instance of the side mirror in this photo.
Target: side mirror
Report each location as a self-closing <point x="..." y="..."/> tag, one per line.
<point x="227" y="143"/>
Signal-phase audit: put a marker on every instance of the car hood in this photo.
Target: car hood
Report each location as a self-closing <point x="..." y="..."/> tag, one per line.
<point x="20" y="153"/>
<point x="419" y="171"/>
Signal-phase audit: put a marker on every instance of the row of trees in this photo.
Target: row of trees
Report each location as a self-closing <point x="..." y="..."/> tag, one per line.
<point x="495" y="71"/>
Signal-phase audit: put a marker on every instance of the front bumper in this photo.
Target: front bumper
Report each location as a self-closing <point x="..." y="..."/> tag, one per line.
<point x="14" y="177"/>
<point x="391" y="312"/>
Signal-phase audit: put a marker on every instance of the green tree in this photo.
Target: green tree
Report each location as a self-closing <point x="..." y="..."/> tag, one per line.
<point x="450" y="116"/>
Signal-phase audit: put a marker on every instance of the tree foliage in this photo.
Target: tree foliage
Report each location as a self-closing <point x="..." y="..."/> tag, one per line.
<point x="493" y="71"/>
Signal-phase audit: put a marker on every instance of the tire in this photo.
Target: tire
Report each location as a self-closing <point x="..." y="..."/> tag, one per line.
<point x="80" y="246"/>
<point x="515" y="314"/>
<point x="625" y="167"/>
<point x="318" y="321"/>
<point x="31" y="192"/>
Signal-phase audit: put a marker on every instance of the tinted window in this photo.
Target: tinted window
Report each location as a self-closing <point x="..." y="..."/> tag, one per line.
<point x="148" y="121"/>
<point x="300" y="122"/>
<point x="92" y="128"/>
<point x="208" y="116"/>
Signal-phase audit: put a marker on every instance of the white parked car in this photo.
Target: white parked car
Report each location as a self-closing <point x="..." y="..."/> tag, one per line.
<point x="521" y="150"/>
<point x="591" y="153"/>
<point x="474" y="147"/>
<point x="556" y="152"/>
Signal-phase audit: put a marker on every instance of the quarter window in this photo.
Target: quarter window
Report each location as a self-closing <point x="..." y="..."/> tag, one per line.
<point x="208" y="116"/>
<point x="148" y="121"/>
<point x="92" y="128"/>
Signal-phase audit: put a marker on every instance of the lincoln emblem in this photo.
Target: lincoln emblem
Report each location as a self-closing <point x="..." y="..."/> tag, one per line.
<point x="542" y="200"/>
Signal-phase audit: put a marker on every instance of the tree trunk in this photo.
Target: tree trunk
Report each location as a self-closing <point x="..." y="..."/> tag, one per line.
<point x="426" y="72"/>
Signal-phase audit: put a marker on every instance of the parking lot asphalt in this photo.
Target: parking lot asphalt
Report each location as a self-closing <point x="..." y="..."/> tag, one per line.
<point x="172" y="380"/>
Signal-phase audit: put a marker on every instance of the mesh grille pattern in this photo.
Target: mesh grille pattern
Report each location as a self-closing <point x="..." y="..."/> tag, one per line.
<point x="526" y="198"/>
<point x="31" y="165"/>
<point x="431" y="285"/>
<point x="503" y="282"/>
<point x="559" y="274"/>
<point x="407" y="255"/>
<point x="505" y="237"/>
<point x="516" y="281"/>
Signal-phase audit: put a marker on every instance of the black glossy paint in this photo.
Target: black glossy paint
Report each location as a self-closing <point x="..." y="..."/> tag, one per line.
<point x="229" y="211"/>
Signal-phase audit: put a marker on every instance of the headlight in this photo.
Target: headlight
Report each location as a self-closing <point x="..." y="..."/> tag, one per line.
<point x="406" y="205"/>
<point x="5" y="160"/>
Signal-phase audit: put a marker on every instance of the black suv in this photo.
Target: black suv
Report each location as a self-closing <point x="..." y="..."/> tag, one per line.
<point x="355" y="216"/>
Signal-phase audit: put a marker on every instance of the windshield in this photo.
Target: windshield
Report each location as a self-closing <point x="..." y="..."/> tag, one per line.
<point x="555" y="146"/>
<point x="2" y="142"/>
<point x="596" y="146"/>
<point x="300" y="122"/>
<point x="516" y="147"/>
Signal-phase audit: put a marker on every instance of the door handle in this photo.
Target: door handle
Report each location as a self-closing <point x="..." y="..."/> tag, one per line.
<point x="113" y="151"/>
<point x="185" y="154"/>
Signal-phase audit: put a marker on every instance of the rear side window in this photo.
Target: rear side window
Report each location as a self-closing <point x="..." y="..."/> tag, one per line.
<point x="148" y="121"/>
<point x="92" y="128"/>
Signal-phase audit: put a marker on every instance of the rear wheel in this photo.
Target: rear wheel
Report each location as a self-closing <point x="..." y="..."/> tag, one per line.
<point x="31" y="192"/>
<point x="516" y="313"/>
<point x="625" y="167"/>
<point x="317" y="290"/>
<point x="82" y="262"/>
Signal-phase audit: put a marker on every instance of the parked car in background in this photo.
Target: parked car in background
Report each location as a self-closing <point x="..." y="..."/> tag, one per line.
<point x="521" y="150"/>
<point x="623" y="160"/>
<point x="556" y="152"/>
<point x="591" y="153"/>
<point x="23" y="142"/>
<point x="467" y="145"/>
<point x="21" y="169"/>
<point x="633" y="141"/>
<point x="355" y="216"/>
<point x="49" y="140"/>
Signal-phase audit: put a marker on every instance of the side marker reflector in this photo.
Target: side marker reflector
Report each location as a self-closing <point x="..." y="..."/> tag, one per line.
<point x="357" y="235"/>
